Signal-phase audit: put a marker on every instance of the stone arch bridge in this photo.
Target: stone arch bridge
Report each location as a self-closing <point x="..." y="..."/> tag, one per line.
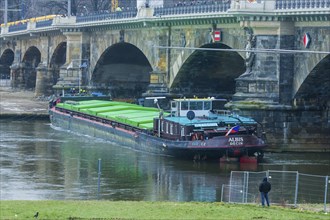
<point x="270" y="58"/>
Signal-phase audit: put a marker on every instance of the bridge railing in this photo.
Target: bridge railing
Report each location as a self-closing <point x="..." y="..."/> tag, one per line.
<point x="192" y="9"/>
<point x="18" y="27"/>
<point x="302" y="4"/>
<point x="106" y="16"/>
<point x="46" y="23"/>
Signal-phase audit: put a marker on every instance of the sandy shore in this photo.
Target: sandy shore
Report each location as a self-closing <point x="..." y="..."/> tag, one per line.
<point x="21" y="102"/>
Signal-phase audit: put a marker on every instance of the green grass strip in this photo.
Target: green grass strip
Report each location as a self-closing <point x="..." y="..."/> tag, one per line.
<point x="50" y="209"/>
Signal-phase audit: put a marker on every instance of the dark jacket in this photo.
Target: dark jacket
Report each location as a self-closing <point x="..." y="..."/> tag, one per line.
<point x="265" y="186"/>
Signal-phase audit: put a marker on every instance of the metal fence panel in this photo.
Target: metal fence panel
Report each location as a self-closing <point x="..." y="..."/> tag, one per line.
<point x="244" y="186"/>
<point x="283" y="187"/>
<point x="288" y="188"/>
<point x="311" y="188"/>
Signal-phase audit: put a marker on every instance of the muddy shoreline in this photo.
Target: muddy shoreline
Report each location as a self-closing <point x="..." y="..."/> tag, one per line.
<point x="22" y="103"/>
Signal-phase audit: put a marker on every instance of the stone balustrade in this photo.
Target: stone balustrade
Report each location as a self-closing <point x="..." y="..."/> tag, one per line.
<point x="230" y="7"/>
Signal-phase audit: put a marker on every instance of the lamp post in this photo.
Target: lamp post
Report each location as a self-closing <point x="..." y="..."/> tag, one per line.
<point x="69" y="8"/>
<point x="82" y="67"/>
<point x="5" y="15"/>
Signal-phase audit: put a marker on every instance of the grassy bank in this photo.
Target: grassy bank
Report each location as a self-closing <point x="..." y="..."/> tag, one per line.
<point x="147" y="210"/>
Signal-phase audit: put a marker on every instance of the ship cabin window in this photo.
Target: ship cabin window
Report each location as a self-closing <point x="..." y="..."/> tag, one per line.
<point x="173" y="105"/>
<point x="184" y="105"/>
<point x="201" y="107"/>
<point x="162" y="124"/>
<point x="196" y="105"/>
<point x="207" y="105"/>
<point x="171" y="128"/>
<point x="167" y="127"/>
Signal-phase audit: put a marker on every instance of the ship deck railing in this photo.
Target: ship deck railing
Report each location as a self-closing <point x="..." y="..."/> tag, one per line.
<point x="222" y="112"/>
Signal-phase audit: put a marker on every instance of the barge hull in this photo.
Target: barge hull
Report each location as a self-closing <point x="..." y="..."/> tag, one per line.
<point x="207" y="149"/>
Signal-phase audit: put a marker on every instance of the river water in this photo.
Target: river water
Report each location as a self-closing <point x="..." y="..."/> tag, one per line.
<point x="40" y="162"/>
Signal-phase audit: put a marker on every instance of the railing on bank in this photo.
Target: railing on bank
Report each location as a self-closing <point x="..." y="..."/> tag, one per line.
<point x="301" y="4"/>
<point x="5" y="82"/>
<point x="288" y="188"/>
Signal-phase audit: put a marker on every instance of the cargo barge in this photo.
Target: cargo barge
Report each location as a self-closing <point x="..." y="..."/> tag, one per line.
<point x="192" y="129"/>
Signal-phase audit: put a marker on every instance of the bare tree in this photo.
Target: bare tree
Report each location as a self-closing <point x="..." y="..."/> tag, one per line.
<point x="100" y="5"/>
<point x="77" y="6"/>
<point x="14" y="10"/>
<point x="60" y="7"/>
<point x="34" y="8"/>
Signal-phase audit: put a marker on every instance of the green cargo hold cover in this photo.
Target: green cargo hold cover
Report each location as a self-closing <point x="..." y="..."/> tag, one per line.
<point x="91" y="105"/>
<point x="108" y="109"/>
<point x="148" y="126"/>
<point x="130" y="114"/>
<point x="138" y="121"/>
<point x="111" y="115"/>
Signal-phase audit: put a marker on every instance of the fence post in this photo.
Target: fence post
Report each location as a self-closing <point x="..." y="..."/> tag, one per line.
<point x="99" y="179"/>
<point x="296" y="192"/>
<point x="247" y="186"/>
<point x="222" y="192"/>
<point x="326" y="193"/>
<point x="244" y="187"/>
<point x="231" y="177"/>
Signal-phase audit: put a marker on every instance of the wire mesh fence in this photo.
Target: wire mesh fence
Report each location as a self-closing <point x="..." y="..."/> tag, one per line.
<point x="288" y="188"/>
<point x="4" y="82"/>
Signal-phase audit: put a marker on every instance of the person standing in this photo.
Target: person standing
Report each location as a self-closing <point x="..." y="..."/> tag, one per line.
<point x="264" y="188"/>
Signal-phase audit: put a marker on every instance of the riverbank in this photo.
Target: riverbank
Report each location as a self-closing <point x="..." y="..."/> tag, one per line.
<point x="22" y="104"/>
<point x="51" y="209"/>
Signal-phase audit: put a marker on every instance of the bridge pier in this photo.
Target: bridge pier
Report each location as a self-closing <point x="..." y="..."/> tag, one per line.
<point x="44" y="81"/>
<point x="265" y="92"/>
<point x="74" y="73"/>
<point x="69" y="78"/>
<point x="268" y="75"/>
<point x="291" y="129"/>
<point x="17" y="80"/>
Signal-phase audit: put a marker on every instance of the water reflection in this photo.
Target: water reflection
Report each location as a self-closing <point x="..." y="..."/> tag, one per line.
<point x="40" y="162"/>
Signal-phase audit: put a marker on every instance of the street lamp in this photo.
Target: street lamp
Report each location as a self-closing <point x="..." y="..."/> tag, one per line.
<point x="69" y="8"/>
<point x="6" y="13"/>
<point x="83" y="66"/>
<point x="84" y="7"/>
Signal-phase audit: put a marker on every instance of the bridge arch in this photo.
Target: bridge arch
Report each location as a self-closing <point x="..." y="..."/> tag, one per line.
<point x="209" y="73"/>
<point x="123" y="70"/>
<point x="6" y="60"/>
<point x="31" y="60"/>
<point x="57" y="60"/>
<point x="311" y="80"/>
<point x="316" y="85"/>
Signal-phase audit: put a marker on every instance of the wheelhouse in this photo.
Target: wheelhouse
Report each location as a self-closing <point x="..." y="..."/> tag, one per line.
<point x="200" y="106"/>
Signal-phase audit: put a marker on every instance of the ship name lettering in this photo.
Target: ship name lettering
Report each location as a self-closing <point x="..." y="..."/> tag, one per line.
<point x="235" y="141"/>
